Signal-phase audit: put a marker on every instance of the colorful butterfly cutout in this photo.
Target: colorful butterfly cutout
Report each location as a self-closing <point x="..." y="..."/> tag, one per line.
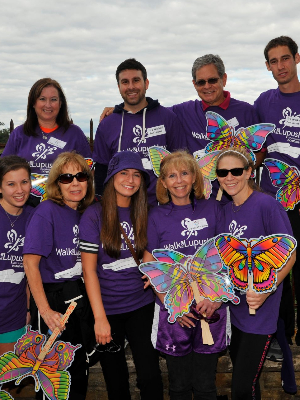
<point x="207" y="165"/>
<point x="224" y="136"/>
<point x="50" y="373"/>
<point x="90" y="162"/>
<point x="174" y="272"/>
<point x="5" y="396"/>
<point x="287" y="178"/>
<point x="38" y="186"/>
<point x="262" y="258"/>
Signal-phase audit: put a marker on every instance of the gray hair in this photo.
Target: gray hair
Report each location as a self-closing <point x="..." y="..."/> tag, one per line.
<point x="206" y="60"/>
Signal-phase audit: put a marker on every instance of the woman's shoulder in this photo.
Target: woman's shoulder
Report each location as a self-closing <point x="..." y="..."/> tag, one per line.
<point x="75" y="129"/>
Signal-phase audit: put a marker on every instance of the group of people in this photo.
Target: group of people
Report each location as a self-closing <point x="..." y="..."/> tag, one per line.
<point x="75" y="247"/>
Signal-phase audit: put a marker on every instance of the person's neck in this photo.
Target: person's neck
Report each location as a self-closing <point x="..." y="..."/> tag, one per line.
<point x="47" y="124"/>
<point x="136" y="108"/>
<point x="291" y="87"/>
<point x="10" y="209"/>
<point x="240" y="198"/>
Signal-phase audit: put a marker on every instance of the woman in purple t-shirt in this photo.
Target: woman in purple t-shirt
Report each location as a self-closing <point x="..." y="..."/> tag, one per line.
<point x="14" y="191"/>
<point x="251" y="214"/>
<point x="114" y="283"/>
<point x="52" y="260"/>
<point x="183" y="222"/>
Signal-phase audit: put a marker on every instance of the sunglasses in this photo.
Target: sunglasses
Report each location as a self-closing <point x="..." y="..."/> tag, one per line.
<point x="110" y="347"/>
<point x="221" y="173"/>
<point x="210" y="81"/>
<point x="68" y="178"/>
<point x="210" y="320"/>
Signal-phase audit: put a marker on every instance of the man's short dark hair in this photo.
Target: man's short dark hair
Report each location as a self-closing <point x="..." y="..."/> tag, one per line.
<point x="281" y="41"/>
<point x="131" y="63"/>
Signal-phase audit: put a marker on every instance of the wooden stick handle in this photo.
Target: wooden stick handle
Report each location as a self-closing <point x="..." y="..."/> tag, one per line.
<point x="206" y="333"/>
<point x="219" y="194"/>
<point x="250" y="286"/>
<point x="56" y="331"/>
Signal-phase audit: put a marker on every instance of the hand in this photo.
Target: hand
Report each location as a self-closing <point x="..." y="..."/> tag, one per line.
<point x="207" y="307"/>
<point x="28" y="318"/>
<point x="147" y="282"/>
<point x="186" y="321"/>
<point x="102" y="331"/>
<point x="106" y="112"/>
<point x="52" y="320"/>
<point x="256" y="300"/>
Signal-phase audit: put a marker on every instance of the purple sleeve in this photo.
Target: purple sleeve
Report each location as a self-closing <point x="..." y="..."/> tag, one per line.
<point x="39" y="236"/>
<point x="176" y="136"/>
<point x="12" y="145"/>
<point x="89" y="226"/>
<point x="152" y="234"/>
<point x="82" y="145"/>
<point x="101" y="153"/>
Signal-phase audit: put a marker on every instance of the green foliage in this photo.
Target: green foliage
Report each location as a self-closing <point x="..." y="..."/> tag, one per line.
<point x="4" y="134"/>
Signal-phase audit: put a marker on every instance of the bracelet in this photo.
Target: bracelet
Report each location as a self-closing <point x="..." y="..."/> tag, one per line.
<point x="28" y="309"/>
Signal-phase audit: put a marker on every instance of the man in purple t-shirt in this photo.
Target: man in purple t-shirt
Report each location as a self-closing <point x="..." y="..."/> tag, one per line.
<point x="281" y="107"/>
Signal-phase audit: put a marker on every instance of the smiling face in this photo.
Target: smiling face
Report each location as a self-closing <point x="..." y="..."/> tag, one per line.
<point x="47" y="106"/>
<point x="179" y="183"/>
<point x="236" y="186"/>
<point x="75" y="191"/>
<point x="210" y="93"/>
<point x="126" y="183"/>
<point x="133" y="88"/>
<point x="15" y="190"/>
<point x="283" y="65"/>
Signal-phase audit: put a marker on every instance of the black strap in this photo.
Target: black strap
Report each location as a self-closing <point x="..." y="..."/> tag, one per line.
<point x="128" y="242"/>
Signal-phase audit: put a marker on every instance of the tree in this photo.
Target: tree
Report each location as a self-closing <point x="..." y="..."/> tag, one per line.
<point x="4" y="134"/>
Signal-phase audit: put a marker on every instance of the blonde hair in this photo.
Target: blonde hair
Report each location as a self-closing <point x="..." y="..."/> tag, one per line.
<point x="53" y="189"/>
<point x="179" y="160"/>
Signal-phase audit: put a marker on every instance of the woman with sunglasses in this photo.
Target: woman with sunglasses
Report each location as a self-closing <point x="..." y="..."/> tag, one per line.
<point x="251" y="214"/>
<point x="14" y="191"/>
<point x="183" y="222"/>
<point x="112" y="240"/>
<point x="52" y="260"/>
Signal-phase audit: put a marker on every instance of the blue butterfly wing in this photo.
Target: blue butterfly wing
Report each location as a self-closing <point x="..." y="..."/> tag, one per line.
<point x="254" y="136"/>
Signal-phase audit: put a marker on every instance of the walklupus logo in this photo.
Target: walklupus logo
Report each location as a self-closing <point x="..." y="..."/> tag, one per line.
<point x="191" y="227"/>
<point x="290" y="119"/>
<point x="237" y="230"/>
<point x="42" y="151"/>
<point x="149" y="132"/>
<point x="128" y="230"/>
<point x="14" y="242"/>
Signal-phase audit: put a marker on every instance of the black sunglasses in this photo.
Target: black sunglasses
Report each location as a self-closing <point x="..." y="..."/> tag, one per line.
<point x="210" y="81"/>
<point x="221" y="173"/>
<point x="111" y="347"/>
<point x="68" y="178"/>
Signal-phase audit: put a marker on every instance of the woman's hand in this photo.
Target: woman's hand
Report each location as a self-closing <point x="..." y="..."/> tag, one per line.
<point x="186" y="320"/>
<point x="147" y="282"/>
<point x="52" y="319"/>
<point x="255" y="300"/>
<point x="102" y="331"/>
<point x="208" y="307"/>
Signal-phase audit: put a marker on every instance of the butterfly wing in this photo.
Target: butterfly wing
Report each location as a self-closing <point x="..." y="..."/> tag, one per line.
<point x="11" y="367"/>
<point x="287" y="178"/>
<point x="233" y="253"/>
<point x="254" y="136"/>
<point x="207" y="190"/>
<point x="90" y="162"/>
<point x="178" y="299"/>
<point x="208" y="164"/>
<point x="157" y="154"/>
<point x="269" y="255"/>
<point x="38" y="183"/>
<point x="205" y="268"/>
<point x="5" y="396"/>
<point x="56" y="386"/>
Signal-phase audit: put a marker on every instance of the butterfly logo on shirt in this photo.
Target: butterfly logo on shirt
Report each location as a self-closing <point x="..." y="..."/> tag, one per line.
<point x="287" y="178"/>
<point x="42" y="151"/>
<point x="173" y="273"/>
<point x="261" y="258"/>
<point x="14" y="241"/>
<point x="223" y="136"/>
<point x="49" y="374"/>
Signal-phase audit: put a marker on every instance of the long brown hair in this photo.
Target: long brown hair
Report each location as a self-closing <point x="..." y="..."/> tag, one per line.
<point x="110" y="235"/>
<point x="62" y="119"/>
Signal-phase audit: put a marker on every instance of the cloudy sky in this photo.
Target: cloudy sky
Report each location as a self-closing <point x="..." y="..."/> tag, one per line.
<point x="80" y="44"/>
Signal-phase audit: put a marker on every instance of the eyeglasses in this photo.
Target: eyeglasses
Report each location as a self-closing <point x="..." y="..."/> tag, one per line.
<point x="110" y="347"/>
<point x="221" y="173"/>
<point x="68" y="178"/>
<point x="210" y="81"/>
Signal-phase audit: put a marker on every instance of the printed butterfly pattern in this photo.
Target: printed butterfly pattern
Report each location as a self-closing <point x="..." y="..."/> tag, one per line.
<point x="207" y="165"/>
<point x="48" y="374"/>
<point x="5" y="396"/>
<point x="223" y="136"/>
<point x="287" y="178"/>
<point x="38" y="183"/>
<point x="174" y="272"/>
<point x="262" y="258"/>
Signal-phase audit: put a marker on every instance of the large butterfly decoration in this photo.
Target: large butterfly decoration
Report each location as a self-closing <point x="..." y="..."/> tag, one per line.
<point x="38" y="182"/>
<point x="262" y="258"/>
<point x="48" y="374"/>
<point x="207" y="166"/>
<point x="224" y="136"/>
<point x="287" y="178"/>
<point x="5" y="396"/>
<point x="174" y="272"/>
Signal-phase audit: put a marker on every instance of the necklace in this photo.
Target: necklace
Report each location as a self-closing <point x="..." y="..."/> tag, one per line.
<point x="237" y="208"/>
<point x="12" y="223"/>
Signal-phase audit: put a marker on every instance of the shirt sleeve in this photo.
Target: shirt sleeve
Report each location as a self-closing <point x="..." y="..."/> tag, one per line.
<point x="176" y="136"/>
<point x="39" y="236"/>
<point x="89" y="228"/>
<point x="11" y="145"/>
<point x="101" y="153"/>
<point x="152" y="234"/>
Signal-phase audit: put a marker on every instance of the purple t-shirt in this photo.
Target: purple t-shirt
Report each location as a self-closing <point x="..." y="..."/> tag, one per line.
<point x="52" y="233"/>
<point x="13" y="300"/>
<point x="183" y="229"/>
<point x="40" y="151"/>
<point x="260" y="215"/>
<point x="192" y="117"/>
<point x="162" y="128"/>
<point x="122" y="287"/>
<point x="283" y="110"/>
